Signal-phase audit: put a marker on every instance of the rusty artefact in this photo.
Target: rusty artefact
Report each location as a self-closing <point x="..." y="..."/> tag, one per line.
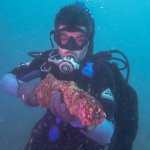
<point x="79" y="103"/>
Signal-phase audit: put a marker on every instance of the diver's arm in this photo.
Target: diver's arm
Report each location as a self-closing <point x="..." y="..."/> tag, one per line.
<point x="101" y="133"/>
<point x="18" y="81"/>
<point x="15" y="87"/>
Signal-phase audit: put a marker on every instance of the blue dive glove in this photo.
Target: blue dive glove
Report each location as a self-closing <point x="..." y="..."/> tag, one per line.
<point x="59" y="109"/>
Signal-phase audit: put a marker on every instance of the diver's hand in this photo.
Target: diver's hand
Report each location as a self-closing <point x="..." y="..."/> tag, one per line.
<point x="25" y="91"/>
<point x="59" y="109"/>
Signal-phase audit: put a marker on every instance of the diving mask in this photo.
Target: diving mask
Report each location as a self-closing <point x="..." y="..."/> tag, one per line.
<point x="69" y="41"/>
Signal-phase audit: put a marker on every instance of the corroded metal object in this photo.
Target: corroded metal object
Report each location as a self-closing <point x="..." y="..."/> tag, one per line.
<point x="79" y="103"/>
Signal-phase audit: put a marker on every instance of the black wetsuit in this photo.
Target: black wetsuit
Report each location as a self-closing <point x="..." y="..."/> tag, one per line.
<point x="70" y="138"/>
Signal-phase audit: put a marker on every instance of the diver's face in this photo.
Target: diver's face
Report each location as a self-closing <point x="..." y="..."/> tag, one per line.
<point x="73" y="43"/>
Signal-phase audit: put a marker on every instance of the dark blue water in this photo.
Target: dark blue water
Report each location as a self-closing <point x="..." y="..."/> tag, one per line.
<point x="25" y="26"/>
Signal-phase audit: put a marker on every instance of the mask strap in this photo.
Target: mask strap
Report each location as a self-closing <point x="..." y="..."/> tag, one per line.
<point x="52" y="32"/>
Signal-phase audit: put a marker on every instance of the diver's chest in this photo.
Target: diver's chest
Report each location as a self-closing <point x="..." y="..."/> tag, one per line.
<point x="85" y="83"/>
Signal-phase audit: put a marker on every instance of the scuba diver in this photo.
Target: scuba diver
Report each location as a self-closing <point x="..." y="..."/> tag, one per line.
<point x="73" y="60"/>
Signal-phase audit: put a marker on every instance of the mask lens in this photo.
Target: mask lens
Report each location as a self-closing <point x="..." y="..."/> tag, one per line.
<point x="81" y="39"/>
<point x="63" y="38"/>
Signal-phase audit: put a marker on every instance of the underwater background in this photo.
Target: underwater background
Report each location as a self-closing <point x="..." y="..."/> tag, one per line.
<point x="25" y="26"/>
